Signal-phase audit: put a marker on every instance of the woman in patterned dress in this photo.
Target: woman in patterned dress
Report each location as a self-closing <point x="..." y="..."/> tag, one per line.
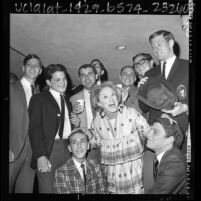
<point x="120" y="132"/>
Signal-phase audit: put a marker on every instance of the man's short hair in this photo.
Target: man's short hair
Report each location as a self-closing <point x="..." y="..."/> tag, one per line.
<point x="166" y="34"/>
<point x="31" y="56"/>
<point x="171" y="128"/>
<point x="85" y="66"/>
<point x="145" y="55"/>
<point x="52" y="68"/>
<point x="78" y="130"/>
<point x="131" y="67"/>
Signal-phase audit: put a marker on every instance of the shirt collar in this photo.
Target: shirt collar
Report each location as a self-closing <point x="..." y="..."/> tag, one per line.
<point x="169" y="61"/>
<point x="25" y="82"/>
<point x="77" y="164"/>
<point x="159" y="157"/>
<point x="54" y="93"/>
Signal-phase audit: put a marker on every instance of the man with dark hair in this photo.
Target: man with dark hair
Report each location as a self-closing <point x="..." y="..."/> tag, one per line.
<point x="165" y="138"/>
<point x="88" y="76"/>
<point x="142" y="63"/>
<point x="21" y="176"/>
<point x="50" y="126"/>
<point x="176" y="72"/>
<point x="78" y="174"/>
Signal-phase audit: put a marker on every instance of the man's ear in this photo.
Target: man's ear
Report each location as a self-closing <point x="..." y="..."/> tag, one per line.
<point x="40" y="71"/>
<point x="170" y="140"/>
<point x="152" y="62"/>
<point x="69" y="148"/>
<point x="48" y="83"/>
<point x="102" y="72"/>
<point x="88" y="146"/>
<point x="171" y="43"/>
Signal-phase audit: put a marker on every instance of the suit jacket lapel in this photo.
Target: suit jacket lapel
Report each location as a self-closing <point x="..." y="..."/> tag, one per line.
<point x="173" y="70"/>
<point x="52" y="99"/>
<point x="21" y="90"/>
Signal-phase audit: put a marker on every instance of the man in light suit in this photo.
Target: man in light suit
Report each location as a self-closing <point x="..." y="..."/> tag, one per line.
<point x="21" y="176"/>
<point x="49" y="127"/>
<point x="170" y="174"/>
<point x="88" y="76"/>
<point x="72" y="177"/>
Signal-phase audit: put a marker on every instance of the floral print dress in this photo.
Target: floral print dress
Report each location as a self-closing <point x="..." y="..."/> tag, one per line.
<point x="121" y="141"/>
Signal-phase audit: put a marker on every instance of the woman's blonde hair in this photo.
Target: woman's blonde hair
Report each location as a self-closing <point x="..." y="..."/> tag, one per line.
<point x="96" y="92"/>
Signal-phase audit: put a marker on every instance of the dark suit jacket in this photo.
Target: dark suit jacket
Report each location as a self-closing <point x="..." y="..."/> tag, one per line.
<point x="172" y="176"/>
<point x="179" y="75"/>
<point x="68" y="180"/>
<point x="19" y="118"/>
<point x="44" y="114"/>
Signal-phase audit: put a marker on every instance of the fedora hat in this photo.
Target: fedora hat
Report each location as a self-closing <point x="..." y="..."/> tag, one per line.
<point x="157" y="93"/>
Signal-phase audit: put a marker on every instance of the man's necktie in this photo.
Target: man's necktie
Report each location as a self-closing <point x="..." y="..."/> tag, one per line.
<point x="61" y="128"/>
<point x="84" y="175"/>
<point x="163" y="70"/>
<point x="32" y="89"/>
<point x="155" y="167"/>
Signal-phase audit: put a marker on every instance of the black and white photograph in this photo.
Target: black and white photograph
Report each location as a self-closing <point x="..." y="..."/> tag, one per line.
<point x="99" y="99"/>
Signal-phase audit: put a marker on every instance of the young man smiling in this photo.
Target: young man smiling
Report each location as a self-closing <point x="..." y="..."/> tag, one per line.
<point x="78" y="174"/>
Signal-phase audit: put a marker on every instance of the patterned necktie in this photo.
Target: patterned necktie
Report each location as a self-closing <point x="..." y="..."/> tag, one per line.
<point x="32" y="89"/>
<point x="84" y="175"/>
<point x="61" y="128"/>
<point x="164" y="67"/>
<point x="155" y="167"/>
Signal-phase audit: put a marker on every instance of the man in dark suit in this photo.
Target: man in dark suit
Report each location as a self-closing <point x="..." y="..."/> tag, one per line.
<point x="49" y="127"/>
<point x="78" y="174"/>
<point x="176" y="71"/>
<point x="21" y="176"/>
<point x="165" y="138"/>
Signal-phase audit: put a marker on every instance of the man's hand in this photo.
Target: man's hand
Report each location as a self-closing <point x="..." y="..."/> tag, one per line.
<point x="178" y="109"/>
<point x="75" y="120"/>
<point x="43" y="164"/>
<point x="142" y="81"/>
<point x="11" y="156"/>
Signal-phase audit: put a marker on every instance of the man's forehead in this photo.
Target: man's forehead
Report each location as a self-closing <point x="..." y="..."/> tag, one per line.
<point x="78" y="135"/>
<point x="86" y="70"/>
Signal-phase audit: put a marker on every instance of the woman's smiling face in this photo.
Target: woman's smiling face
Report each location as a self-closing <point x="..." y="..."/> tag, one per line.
<point x="108" y="100"/>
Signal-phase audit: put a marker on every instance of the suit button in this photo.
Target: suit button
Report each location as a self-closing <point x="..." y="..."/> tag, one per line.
<point x="58" y="115"/>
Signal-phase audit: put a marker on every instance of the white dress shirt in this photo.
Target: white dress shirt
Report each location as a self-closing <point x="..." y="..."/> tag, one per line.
<point x="78" y="165"/>
<point x="159" y="157"/>
<point x="27" y="89"/>
<point x="169" y="64"/>
<point x="67" y="126"/>
<point x="88" y="107"/>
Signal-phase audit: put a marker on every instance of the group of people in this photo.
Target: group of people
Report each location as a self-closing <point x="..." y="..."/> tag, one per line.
<point x="101" y="139"/>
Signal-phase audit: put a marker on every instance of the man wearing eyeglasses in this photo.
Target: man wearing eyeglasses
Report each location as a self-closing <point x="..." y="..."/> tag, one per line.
<point x="142" y="63"/>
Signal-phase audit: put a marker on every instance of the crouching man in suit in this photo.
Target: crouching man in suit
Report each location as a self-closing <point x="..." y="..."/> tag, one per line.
<point x="169" y="167"/>
<point x="78" y="174"/>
